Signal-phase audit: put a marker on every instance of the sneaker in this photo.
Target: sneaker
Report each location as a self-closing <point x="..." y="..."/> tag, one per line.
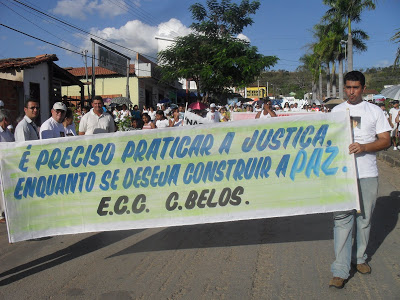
<point x="394" y="148"/>
<point x="337" y="282"/>
<point x="363" y="268"/>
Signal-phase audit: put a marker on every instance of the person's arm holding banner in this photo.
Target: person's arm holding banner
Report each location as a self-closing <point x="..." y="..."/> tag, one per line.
<point x="382" y="142"/>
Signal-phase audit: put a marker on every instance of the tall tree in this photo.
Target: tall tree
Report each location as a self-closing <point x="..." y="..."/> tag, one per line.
<point x="311" y="62"/>
<point x="348" y="11"/>
<point x="396" y="38"/>
<point x="212" y="56"/>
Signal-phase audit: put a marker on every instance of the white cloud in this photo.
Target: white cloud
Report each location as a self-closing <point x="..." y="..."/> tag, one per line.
<point x="138" y="36"/>
<point x="80" y="9"/>
<point x="243" y="37"/>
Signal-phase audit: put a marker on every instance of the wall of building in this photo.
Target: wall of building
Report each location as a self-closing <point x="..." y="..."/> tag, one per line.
<point x="107" y="86"/>
<point x="39" y="74"/>
<point x="11" y="92"/>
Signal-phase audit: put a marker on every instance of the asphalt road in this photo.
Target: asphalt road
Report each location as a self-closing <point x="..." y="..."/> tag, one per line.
<point x="280" y="258"/>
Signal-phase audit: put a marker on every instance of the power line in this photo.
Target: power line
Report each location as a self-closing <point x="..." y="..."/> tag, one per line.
<point x="79" y="29"/>
<point x="79" y="53"/>
<point x="39" y="26"/>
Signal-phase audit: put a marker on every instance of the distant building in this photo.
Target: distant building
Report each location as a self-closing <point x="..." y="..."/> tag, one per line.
<point x="34" y="77"/>
<point x="145" y="87"/>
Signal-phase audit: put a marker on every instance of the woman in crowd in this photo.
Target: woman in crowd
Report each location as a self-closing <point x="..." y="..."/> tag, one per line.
<point x="224" y="114"/>
<point x="286" y="107"/>
<point x="152" y="113"/>
<point x="175" y="121"/>
<point x="267" y="111"/>
<point x="147" y="123"/>
<point x="69" y="125"/>
<point x="162" y="121"/>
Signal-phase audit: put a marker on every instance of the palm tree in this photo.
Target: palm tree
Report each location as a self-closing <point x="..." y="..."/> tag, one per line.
<point x="312" y="64"/>
<point x="348" y="11"/>
<point x="396" y="38"/>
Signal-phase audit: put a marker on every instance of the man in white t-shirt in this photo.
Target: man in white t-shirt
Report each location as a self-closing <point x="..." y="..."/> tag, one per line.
<point x="393" y="112"/>
<point x="96" y="120"/>
<point x="53" y="127"/>
<point x="213" y="115"/>
<point x="371" y="134"/>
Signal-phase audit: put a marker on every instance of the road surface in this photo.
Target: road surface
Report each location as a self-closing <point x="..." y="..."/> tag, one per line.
<point x="279" y="258"/>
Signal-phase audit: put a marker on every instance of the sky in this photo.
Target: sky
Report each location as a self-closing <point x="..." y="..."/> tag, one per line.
<point x="281" y="28"/>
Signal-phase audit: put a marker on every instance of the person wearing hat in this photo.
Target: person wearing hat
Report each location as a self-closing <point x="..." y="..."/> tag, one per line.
<point x="53" y="126"/>
<point x="26" y="129"/>
<point x="213" y="115"/>
<point x="393" y="112"/>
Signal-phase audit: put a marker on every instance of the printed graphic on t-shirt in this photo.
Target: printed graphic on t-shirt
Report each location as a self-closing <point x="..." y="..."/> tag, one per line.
<point x="356" y="126"/>
<point x="356" y="122"/>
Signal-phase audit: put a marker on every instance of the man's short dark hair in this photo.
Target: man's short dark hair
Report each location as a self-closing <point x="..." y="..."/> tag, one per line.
<point x="30" y="100"/>
<point x="355" y="76"/>
<point x="98" y="98"/>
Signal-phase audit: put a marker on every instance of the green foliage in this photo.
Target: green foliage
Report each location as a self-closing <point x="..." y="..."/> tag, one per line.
<point x="377" y="78"/>
<point x="224" y="18"/>
<point x="211" y="56"/>
<point x="123" y="124"/>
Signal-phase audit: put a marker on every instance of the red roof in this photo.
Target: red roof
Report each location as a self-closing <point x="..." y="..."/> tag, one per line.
<point x="80" y="72"/>
<point x="14" y="63"/>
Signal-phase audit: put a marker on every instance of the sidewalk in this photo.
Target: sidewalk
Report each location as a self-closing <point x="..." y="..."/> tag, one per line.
<point x="392" y="157"/>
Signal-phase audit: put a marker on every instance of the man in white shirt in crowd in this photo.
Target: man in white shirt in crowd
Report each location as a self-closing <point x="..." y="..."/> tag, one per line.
<point x="213" y="115"/>
<point x="393" y="112"/>
<point x="371" y="134"/>
<point x="96" y="120"/>
<point x="53" y="126"/>
<point x="26" y="129"/>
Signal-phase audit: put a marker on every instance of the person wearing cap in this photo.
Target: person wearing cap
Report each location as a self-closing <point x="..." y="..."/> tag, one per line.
<point x="26" y="129"/>
<point x="96" y="120"/>
<point x="393" y="112"/>
<point x="213" y="115"/>
<point x="267" y="111"/>
<point x="53" y="126"/>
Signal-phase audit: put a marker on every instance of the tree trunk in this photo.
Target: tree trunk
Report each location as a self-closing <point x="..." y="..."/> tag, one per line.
<point x="328" y="82"/>
<point x="349" y="51"/>
<point x="340" y="78"/>
<point x="320" y="84"/>
<point x="333" y="79"/>
<point x="314" y="90"/>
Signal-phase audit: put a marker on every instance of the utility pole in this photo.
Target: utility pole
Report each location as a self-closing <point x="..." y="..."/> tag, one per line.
<point x="93" y="70"/>
<point x="86" y="73"/>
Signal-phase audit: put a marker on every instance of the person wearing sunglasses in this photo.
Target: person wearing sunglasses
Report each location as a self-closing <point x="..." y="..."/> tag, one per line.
<point x="26" y="129"/>
<point x="267" y="111"/>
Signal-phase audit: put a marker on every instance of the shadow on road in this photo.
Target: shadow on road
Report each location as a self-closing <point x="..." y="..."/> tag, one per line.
<point x="383" y="221"/>
<point x="239" y="233"/>
<point x="83" y="247"/>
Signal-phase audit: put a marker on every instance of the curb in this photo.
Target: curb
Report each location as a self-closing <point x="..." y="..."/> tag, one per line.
<point x="392" y="157"/>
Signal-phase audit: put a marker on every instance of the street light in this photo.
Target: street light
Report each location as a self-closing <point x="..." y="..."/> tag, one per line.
<point x="345" y="52"/>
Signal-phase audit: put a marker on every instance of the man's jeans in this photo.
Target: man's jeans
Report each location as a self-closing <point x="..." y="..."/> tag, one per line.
<point x="343" y="230"/>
